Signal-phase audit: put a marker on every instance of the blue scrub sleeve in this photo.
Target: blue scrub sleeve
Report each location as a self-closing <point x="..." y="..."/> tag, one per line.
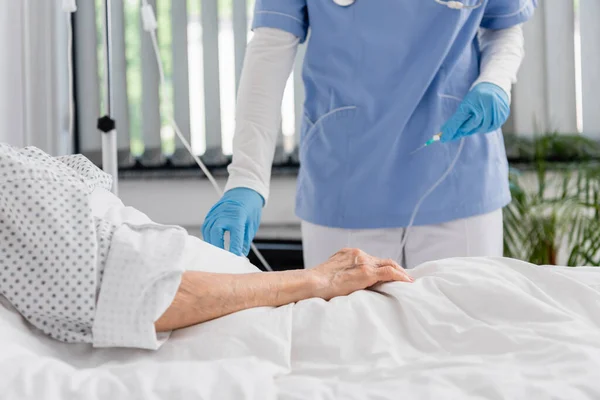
<point x="502" y="14"/>
<point x="288" y="15"/>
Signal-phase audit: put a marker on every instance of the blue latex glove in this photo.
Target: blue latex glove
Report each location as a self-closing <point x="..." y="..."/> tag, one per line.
<point x="238" y="212"/>
<point x="483" y="110"/>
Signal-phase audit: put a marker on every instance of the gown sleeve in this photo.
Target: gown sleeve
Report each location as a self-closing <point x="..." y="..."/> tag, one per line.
<point x="77" y="276"/>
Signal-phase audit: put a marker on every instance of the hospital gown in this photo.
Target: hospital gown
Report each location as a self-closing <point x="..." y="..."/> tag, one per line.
<point x="79" y="274"/>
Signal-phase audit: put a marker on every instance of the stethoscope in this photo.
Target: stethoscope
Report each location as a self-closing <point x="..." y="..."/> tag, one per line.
<point x="455" y="5"/>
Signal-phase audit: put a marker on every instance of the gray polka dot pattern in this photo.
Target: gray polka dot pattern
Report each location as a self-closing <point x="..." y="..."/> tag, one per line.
<point x="81" y="275"/>
<point x="53" y="252"/>
<point x="92" y="176"/>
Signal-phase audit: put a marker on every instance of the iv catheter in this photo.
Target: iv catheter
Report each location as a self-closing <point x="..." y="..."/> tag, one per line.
<point x="435" y="138"/>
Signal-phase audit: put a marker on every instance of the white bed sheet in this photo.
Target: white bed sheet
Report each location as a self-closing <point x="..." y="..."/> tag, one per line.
<point x="466" y="329"/>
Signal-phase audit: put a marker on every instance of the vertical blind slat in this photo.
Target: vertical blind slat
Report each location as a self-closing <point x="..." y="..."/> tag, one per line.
<point x="299" y="93"/>
<point x="87" y="87"/>
<point x="590" y="66"/>
<point x="529" y="94"/>
<point x="181" y="83"/>
<point x="150" y="101"/>
<point x="240" y="36"/>
<point x="560" y="65"/>
<point x="212" y="104"/>
<point x="41" y="128"/>
<point x="119" y="71"/>
<point x="63" y="142"/>
<point x="280" y="156"/>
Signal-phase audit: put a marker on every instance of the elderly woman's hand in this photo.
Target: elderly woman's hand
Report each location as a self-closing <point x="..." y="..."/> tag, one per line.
<point x="350" y="270"/>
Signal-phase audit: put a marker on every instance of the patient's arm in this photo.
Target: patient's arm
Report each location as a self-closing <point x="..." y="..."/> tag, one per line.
<point x="81" y="272"/>
<point x="204" y="296"/>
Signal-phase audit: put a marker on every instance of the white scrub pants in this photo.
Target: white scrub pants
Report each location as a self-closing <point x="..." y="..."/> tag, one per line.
<point x="478" y="236"/>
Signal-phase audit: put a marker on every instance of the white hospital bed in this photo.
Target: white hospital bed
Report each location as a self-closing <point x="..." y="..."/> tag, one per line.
<point x="468" y="328"/>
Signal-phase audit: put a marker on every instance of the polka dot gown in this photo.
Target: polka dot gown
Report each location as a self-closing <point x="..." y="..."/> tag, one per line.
<point x="54" y="254"/>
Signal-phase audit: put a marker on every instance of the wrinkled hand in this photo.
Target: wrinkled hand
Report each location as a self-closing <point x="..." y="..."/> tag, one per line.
<point x="238" y="212"/>
<point x="483" y="110"/>
<point x="350" y="270"/>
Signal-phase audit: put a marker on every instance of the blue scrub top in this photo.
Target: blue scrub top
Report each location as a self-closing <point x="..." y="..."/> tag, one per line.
<point x="381" y="77"/>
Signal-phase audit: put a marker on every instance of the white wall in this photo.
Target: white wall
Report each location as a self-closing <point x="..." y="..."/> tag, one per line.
<point x="186" y="203"/>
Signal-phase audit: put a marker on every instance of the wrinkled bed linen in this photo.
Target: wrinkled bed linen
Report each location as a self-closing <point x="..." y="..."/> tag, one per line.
<point x="467" y="328"/>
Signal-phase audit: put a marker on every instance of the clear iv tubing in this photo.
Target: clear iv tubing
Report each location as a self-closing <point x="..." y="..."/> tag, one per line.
<point x="428" y="192"/>
<point x="150" y="26"/>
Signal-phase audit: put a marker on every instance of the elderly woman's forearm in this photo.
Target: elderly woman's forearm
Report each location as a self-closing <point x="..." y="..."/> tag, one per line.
<point x="205" y="296"/>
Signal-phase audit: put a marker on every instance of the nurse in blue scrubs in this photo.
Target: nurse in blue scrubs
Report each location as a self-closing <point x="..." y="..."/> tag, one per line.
<point x="381" y="77"/>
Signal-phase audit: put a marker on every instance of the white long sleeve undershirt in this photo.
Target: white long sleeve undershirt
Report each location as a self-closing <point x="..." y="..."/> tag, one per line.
<point x="502" y="52"/>
<point x="268" y="64"/>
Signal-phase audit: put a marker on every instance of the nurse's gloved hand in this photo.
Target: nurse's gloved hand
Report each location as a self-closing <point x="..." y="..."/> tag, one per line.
<point x="238" y="212"/>
<point x="484" y="109"/>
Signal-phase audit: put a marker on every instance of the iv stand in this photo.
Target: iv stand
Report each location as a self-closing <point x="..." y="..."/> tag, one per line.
<point x="106" y="124"/>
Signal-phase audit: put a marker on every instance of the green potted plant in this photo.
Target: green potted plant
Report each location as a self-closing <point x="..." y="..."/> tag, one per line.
<point x="554" y="217"/>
